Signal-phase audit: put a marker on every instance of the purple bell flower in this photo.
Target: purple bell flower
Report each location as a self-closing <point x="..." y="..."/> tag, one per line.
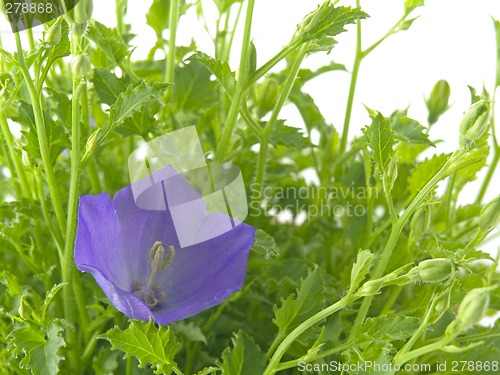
<point x="135" y="256"/>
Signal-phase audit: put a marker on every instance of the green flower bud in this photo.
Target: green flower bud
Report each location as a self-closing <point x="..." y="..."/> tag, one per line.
<point x="92" y="141"/>
<point x="475" y="122"/>
<point x="434" y="271"/>
<point x="420" y="222"/>
<point x="391" y="174"/>
<point x="82" y="12"/>
<point x="54" y="33"/>
<point x="78" y="30"/>
<point x="371" y="287"/>
<point x="80" y="66"/>
<point x="266" y="95"/>
<point x="437" y="104"/>
<point x="26" y="160"/>
<point x="490" y="215"/>
<point x="471" y="310"/>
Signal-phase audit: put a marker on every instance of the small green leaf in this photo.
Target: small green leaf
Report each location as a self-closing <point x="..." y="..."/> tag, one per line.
<point x="381" y="141"/>
<point x="41" y="349"/>
<point x="408" y="129"/>
<point x="158" y="15"/>
<point x="297" y="308"/>
<point x="134" y="99"/>
<point x="265" y="244"/>
<point x="49" y="296"/>
<point x="10" y="281"/>
<point x="288" y="136"/>
<point x="425" y="171"/>
<point x="245" y="358"/>
<point x="108" y="41"/>
<point x="150" y="344"/>
<point x="361" y="268"/>
<point x="108" y="86"/>
<point x="220" y="69"/>
<point x="189" y="332"/>
<point x="329" y="20"/>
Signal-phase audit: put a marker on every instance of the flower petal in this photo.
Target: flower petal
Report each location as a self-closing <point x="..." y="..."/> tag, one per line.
<point x="204" y="275"/>
<point x="98" y="241"/>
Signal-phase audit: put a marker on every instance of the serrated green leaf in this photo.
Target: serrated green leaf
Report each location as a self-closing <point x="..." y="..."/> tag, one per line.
<point x="288" y="136"/>
<point x="10" y="281"/>
<point x="329" y="20"/>
<point x="244" y="358"/>
<point x="108" y="41"/>
<point x="105" y="362"/>
<point x="408" y="129"/>
<point x="134" y="99"/>
<point x="108" y="86"/>
<point x="220" y="69"/>
<point x="297" y="308"/>
<point x="49" y="296"/>
<point x="265" y="244"/>
<point x="381" y="141"/>
<point x="361" y="268"/>
<point x="425" y="171"/>
<point x="40" y="349"/>
<point x="150" y="344"/>
<point x="193" y="89"/>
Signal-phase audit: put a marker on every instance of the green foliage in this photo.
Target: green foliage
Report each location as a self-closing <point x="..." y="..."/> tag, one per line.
<point x="150" y="344"/>
<point x="244" y="358"/>
<point x="336" y="269"/>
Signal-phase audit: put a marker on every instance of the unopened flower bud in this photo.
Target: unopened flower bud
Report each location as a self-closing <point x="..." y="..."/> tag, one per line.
<point x="490" y="215"/>
<point x="92" y="141"/>
<point x="371" y="287"/>
<point x="266" y="95"/>
<point x="420" y="222"/>
<point x="391" y="173"/>
<point x="82" y="12"/>
<point x="437" y="104"/>
<point x="435" y="270"/>
<point x="311" y="21"/>
<point x="471" y="310"/>
<point x="54" y="33"/>
<point x="80" y="66"/>
<point x="475" y="122"/>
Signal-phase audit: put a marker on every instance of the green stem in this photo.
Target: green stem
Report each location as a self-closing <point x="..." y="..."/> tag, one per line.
<point x="259" y="73"/>
<point x="14" y="156"/>
<point x="489" y="175"/>
<point x="42" y="137"/>
<point x="402" y="359"/>
<point x="173" y="23"/>
<point x="272" y="367"/>
<point x="266" y="134"/>
<point x="396" y="231"/>
<point x="232" y="116"/>
<point x="358" y="57"/>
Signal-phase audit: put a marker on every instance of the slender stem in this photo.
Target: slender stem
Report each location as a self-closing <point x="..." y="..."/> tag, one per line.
<point x="399" y="360"/>
<point x="358" y="57"/>
<point x="266" y="134"/>
<point x="173" y="23"/>
<point x="489" y="175"/>
<point x="292" y="336"/>
<point x="273" y="61"/>
<point x="14" y="156"/>
<point x="396" y="231"/>
<point x="232" y="116"/>
<point x="42" y="137"/>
